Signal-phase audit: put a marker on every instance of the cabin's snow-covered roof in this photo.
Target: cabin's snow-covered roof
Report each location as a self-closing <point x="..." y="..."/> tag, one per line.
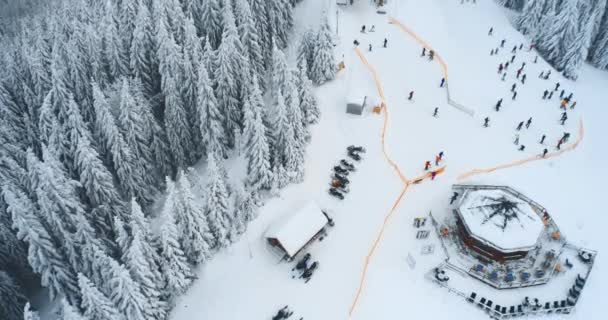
<point x="519" y="233"/>
<point x="295" y="230"/>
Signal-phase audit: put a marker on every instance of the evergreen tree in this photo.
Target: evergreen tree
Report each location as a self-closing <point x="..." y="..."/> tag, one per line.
<point x="250" y="39"/>
<point x="260" y="17"/>
<point x="136" y="132"/>
<point x="115" y="53"/>
<point x="12" y="299"/>
<point x="280" y="17"/>
<point x="308" y="102"/>
<point x="94" y="303"/>
<point x="173" y="260"/>
<point x="124" y="292"/>
<point x="259" y="174"/>
<point x="210" y="24"/>
<point x="176" y="119"/>
<point x="229" y="67"/>
<point x="575" y="44"/>
<point x="43" y="255"/>
<point x="212" y="131"/>
<point x="323" y="67"/>
<point x="598" y="54"/>
<point x="530" y="18"/>
<point x="139" y="224"/>
<point x="194" y="232"/>
<point x="245" y="208"/>
<point x="216" y="207"/>
<point x="137" y="260"/>
<point x="129" y="177"/>
<point x="306" y="50"/>
<point x="142" y="51"/>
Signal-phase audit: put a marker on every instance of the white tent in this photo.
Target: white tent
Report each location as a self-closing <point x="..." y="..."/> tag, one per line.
<point x="293" y="232"/>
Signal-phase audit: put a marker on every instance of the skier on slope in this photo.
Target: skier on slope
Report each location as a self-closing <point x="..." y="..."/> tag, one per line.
<point x="411" y="95"/>
<point x="523" y="64"/>
<point x="442" y="82"/>
<point x="427" y="165"/>
<point x="514" y="95"/>
<point x="542" y="139"/>
<point x="541" y="75"/>
<point x="385" y="42"/>
<point x="528" y="123"/>
<point x="563" y="104"/>
<point x="545" y="151"/>
<point x="559" y="144"/>
<point x="516" y="141"/>
<point x="570" y="96"/>
<point x="423" y="52"/>
<point x="521" y="124"/>
<point x="486" y="122"/>
<point x="370" y="47"/>
<point x="500" y="67"/>
<point x="518" y="73"/>
<point x="502" y="43"/>
<point x="514" y="50"/>
<point x="506" y="65"/>
<point x="550" y="95"/>
<point x="491" y="31"/>
<point x="441" y="155"/>
<point x="561" y="94"/>
<point x="431" y="54"/>
<point x="545" y="94"/>
<point x="572" y="105"/>
<point x="512" y="58"/>
<point x="363" y="29"/>
<point x="503" y="76"/>
<point x="523" y="79"/>
<point x="564" y="120"/>
<point x="513" y="87"/>
<point x="498" y="104"/>
<point x="566" y="136"/>
<point x="437" y="159"/>
<point x="522" y="147"/>
<point x="435" y="112"/>
<point x="556" y="86"/>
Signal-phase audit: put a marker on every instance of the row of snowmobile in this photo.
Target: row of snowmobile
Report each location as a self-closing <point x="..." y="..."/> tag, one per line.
<point x="339" y="181"/>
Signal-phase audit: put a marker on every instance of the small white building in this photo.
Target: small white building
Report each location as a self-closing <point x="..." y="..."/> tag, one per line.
<point x="294" y="232"/>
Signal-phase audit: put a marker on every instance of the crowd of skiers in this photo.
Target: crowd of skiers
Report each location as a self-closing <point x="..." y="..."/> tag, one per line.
<point x="565" y="101"/>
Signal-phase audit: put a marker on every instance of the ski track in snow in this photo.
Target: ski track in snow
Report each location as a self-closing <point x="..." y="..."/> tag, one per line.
<point x="245" y="281"/>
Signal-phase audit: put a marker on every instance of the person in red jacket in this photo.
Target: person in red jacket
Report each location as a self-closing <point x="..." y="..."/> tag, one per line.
<point x="427" y="165"/>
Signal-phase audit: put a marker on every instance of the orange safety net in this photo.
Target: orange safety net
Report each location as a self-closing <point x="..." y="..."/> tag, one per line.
<point x="563" y="150"/>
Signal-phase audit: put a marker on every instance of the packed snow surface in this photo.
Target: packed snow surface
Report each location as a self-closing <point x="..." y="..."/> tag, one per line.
<point x="246" y="282"/>
<point x="520" y="232"/>
<point x="295" y="230"/>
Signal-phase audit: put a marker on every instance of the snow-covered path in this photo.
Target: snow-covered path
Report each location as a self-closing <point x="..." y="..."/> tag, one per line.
<point x="246" y="282"/>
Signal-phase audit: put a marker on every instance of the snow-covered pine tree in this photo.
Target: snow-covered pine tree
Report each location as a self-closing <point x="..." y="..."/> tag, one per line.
<point x="12" y="299"/>
<point x="227" y="77"/>
<point x="294" y="115"/>
<point x="13" y="252"/>
<point x="142" y="51"/>
<point x="28" y="314"/>
<point x="554" y="29"/>
<point x="257" y="150"/>
<point x="280" y="18"/>
<point x="280" y="73"/>
<point x="212" y="130"/>
<point x="136" y="132"/>
<point x="194" y="233"/>
<point x="262" y="25"/>
<point x="122" y="238"/>
<point x="116" y="56"/>
<point x="217" y="211"/>
<point x="123" y="291"/>
<point x="176" y="118"/>
<point x="210" y="23"/>
<point x="98" y="185"/>
<point x="323" y="67"/>
<point x="572" y="39"/>
<point x="246" y="207"/>
<point x="529" y="20"/>
<point x="173" y="260"/>
<point x="250" y="39"/>
<point x="308" y="102"/>
<point x="598" y="54"/>
<point x="95" y="304"/>
<point x="69" y="312"/>
<point x="513" y="4"/>
<point x="306" y="50"/>
<point x="129" y="177"/>
<point x="144" y="271"/>
<point x="44" y="256"/>
<point x="209" y="58"/>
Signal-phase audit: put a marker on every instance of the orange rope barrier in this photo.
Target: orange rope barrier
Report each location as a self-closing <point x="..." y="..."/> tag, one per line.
<point x="520" y="162"/>
<point x="405" y="181"/>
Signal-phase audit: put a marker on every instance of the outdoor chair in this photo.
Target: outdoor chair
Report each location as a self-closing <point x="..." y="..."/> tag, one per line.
<point x="489" y="304"/>
<point x="547" y="305"/>
<point x="503" y="310"/>
<point x="555" y="304"/>
<point x="571" y="300"/>
<point x="472" y="297"/>
<point x="563" y="303"/>
<point x="482" y="302"/>
<point x="520" y="309"/>
<point x="512" y="309"/>
<point x="497" y="308"/>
